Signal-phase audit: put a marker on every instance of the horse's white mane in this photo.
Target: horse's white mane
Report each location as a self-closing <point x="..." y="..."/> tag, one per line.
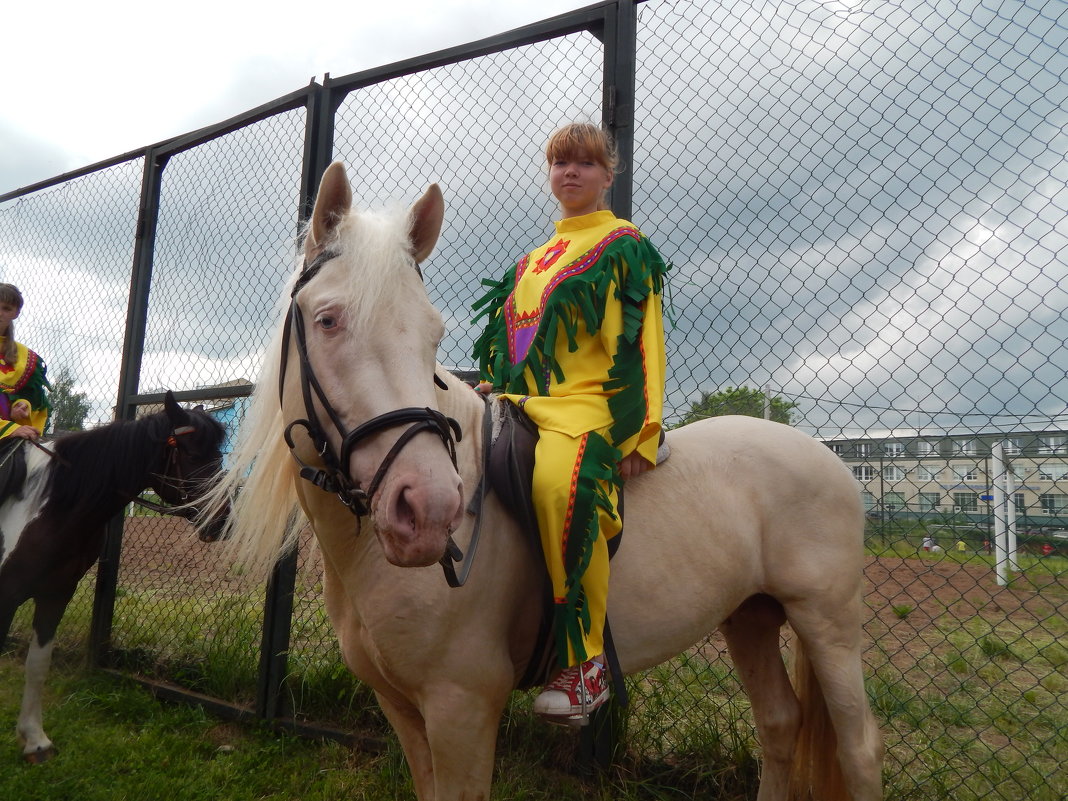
<point x="373" y="250"/>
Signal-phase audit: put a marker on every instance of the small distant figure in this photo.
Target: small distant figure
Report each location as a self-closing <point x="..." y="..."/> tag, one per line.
<point x="928" y="543"/>
<point x="1047" y="549"/>
<point x="961" y="546"/>
<point x="986" y="545"/>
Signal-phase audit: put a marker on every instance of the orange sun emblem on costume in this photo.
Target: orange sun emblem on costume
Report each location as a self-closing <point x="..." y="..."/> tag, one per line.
<point x="551" y="256"/>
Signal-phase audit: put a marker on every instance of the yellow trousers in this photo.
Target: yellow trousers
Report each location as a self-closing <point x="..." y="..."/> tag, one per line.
<point x="575" y="498"/>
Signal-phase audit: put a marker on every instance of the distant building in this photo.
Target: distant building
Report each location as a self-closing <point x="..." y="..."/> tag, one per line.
<point x="927" y="475"/>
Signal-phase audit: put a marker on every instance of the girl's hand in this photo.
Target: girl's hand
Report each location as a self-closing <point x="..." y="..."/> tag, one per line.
<point x="484" y="388"/>
<point x="26" y="432"/>
<point x="633" y="464"/>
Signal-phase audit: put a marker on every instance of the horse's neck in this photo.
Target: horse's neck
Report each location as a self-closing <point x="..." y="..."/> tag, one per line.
<point x="115" y="466"/>
<point x="466" y="406"/>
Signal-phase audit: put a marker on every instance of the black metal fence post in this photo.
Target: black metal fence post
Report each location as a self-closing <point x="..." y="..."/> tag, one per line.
<point x="129" y="372"/>
<point x="599" y="740"/>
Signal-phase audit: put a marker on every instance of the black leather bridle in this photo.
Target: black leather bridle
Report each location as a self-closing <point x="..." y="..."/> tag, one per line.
<point x="173" y="477"/>
<point x="334" y="475"/>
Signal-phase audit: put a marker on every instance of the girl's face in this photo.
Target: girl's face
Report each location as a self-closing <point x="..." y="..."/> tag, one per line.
<point x="8" y="312"/>
<point x="579" y="184"/>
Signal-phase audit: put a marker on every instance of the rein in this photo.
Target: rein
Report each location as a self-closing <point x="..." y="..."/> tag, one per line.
<point x="334" y="475"/>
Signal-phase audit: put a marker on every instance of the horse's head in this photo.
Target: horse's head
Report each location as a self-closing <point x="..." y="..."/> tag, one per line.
<point x="357" y="382"/>
<point x="192" y="462"/>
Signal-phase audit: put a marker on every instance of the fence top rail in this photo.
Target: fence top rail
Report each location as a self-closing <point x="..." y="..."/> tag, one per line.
<point x="177" y="144"/>
<point x="588" y="18"/>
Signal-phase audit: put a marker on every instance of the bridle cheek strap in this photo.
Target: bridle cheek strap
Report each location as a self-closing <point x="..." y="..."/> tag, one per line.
<point x="334" y="475"/>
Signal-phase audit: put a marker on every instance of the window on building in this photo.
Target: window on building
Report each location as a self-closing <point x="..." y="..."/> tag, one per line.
<point x="1018" y="502"/>
<point x="867" y="499"/>
<point x="836" y="447"/>
<point x="893" y="449"/>
<point x="864" y="472"/>
<point x="926" y="448"/>
<point x="863" y="448"/>
<point x="1053" y="503"/>
<point x="965" y="472"/>
<point x="894" y="501"/>
<point x="965" y="447"/>
<point x="1052" y="471"/>
<point x="1047" y="445"/>
<point x="1012" y="446"/>
<point x="926" y="473"/>
<point x="893" y="473"/>
<point x="965" y="502"/>
<point x="929" y="501"/>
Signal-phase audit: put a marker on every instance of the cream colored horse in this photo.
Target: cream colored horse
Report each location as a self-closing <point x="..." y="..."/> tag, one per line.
<point x="747" y="525"/>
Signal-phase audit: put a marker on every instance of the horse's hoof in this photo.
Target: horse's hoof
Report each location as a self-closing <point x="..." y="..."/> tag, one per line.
<point x="40" y="755"/>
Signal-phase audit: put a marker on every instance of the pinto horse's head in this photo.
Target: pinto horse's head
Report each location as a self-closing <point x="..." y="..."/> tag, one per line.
<point x="358" y="385"/>
<point x="192" y="462"/>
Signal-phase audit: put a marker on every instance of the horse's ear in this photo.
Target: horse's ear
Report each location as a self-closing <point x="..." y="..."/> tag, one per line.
<point x="174" y="410"/>
<point x="426" y="217"/>
<point x="331" y="204"/>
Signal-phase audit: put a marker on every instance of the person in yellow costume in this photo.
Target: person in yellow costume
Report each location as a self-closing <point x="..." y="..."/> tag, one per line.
<point x="24" y="403"/>
<point x="574" y="337"/>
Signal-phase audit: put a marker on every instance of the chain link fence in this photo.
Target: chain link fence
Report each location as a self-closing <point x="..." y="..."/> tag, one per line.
<point x="865" y="206"/>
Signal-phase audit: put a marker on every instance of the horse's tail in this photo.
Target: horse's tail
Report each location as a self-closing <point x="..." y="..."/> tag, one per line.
<point x="816" y="772"/>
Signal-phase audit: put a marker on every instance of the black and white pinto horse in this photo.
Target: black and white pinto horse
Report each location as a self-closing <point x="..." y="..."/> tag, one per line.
<point x="52" y="529"/>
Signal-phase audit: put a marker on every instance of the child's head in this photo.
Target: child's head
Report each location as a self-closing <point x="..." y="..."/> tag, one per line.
<point x="9" y="294"/>
<point x="20" y="411"/>
<point x="583" y="140"/>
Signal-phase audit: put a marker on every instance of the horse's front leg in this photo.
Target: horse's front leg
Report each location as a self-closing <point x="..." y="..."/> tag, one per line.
<point x="410" y="727"/>
<point x="48" y="611"/>
<point x="462" y="724"/>
<point x="449" y="746"/>
<point x="36" y="747"/>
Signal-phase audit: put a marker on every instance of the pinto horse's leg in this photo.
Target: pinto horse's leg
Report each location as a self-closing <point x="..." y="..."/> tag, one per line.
<point x="36" y="747"/>
<point x="48" y="611"/>
<point x="7" y="614"/>
<point x="752" y="634"/>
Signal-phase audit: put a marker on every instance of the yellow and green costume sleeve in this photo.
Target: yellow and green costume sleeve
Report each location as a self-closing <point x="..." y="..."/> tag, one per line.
<point x="26" y="379"/>
<point x="574" y="336"/>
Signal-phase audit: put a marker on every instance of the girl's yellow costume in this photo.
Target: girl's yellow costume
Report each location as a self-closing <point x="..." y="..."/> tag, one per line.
<point x="575" y="338"/>
<point x="23" y="380"/>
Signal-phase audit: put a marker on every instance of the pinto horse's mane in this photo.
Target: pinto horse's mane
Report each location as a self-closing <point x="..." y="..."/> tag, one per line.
<point x="372" y="249"/>
<point x="94" y="464"/>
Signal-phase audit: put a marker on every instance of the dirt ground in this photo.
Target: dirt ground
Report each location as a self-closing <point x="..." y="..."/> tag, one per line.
<point x="903" y="595"/>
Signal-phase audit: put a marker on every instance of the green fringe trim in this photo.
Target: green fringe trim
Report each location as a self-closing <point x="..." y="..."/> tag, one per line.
<point x="35" y="389"/>
<point x="598" y="473"/>
<point x="630" y="269"/>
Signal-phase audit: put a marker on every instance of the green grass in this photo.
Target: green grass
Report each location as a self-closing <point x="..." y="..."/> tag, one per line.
<point x="973" y="711"/>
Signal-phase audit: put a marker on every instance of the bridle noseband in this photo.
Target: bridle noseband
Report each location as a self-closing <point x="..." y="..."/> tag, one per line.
<point x="334" y="475"/>
<point x="178" y="481"/>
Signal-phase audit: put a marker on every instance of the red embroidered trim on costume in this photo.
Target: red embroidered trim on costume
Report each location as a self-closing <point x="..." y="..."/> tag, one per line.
<point x="514" y="321"/>
<point x="572" y="491"/>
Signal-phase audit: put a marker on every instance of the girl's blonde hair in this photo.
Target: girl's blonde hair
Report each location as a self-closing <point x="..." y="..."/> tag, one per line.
<point x="9" y="293"/>
<point x="586" y="140"/>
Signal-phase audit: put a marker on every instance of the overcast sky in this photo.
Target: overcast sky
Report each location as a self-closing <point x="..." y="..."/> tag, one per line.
<point x="866" y="203"/>
<point x="82" y="82"/>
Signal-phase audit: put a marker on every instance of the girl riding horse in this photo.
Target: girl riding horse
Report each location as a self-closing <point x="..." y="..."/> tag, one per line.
<point x="575" y="339"/>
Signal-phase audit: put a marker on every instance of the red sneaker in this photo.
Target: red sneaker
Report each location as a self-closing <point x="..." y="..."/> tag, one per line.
<point x="563" y="698"/>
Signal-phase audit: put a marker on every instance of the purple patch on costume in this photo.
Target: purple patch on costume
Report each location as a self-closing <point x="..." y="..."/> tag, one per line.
<point x="521" y="342"/>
